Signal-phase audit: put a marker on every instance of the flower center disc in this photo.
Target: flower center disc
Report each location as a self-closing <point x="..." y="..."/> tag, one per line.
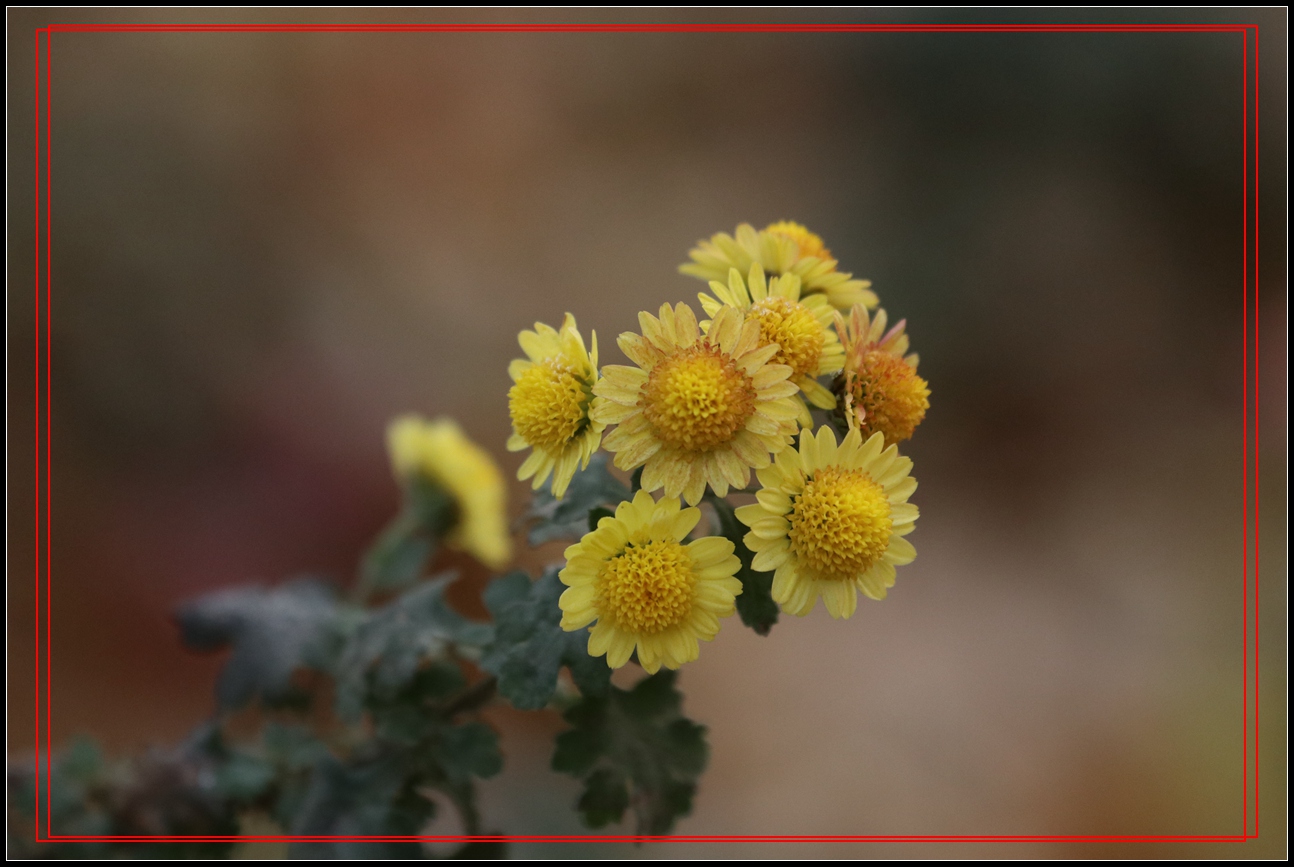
<point x="647" y="588"/>
<point x="893" y="398"/>
<point x="840" y="525"/>
<point x="797" y="332"/>
<point x="697" y="399"/>
<point x="548" y="404"/>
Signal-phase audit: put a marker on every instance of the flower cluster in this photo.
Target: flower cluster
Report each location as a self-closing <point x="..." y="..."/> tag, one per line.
<point x="701" y="405"/>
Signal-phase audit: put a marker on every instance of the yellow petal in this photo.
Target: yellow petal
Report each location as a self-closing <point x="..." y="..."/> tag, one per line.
<point x="612" y="390"/>
<point x="733" y="469"/>
<point x="636" y="451"/>
<point x="901" y="491"/>
<point x="517" y="367"/>
<point x="899" y="469"/>
<point x="654" y="330"/>
<point x="772" y="556"/>
<point x="870" y="450"/>
<point x="775" y="501"/>
<point x="709" y="550"/>
<point x="683" y="523"/>
<point x="771" y="527"/>
<point x="625" y="376"/>
<point x="600" y="639"/>
<point x="826" y="446"/>
<point x="900" y="551"/>
<point x="750" y="450"/>
<point x="637" y="349"/>
<point x="620" y="649"/>
<point x="685" y="330"/>
<point x="778" y="390"/>
<point x="817" y="394"/>
<point x="808" y="452"/>
<point x="839" y="597"/>
<point x="695" y="488"/>
<point x="903" y="513"/>
<point x="607" y="412"/>
<point x="748" y="515"/>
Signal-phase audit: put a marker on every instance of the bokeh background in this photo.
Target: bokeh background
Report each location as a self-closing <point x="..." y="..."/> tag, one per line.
<point x="267" y="245"/>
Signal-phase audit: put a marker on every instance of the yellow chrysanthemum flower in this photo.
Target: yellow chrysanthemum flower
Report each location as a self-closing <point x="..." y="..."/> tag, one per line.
<point x="440" y="453"/>
<point x="879" y="387"/>
<point x="645" y="588"/>
<point x="831" y="520"/>
<point x="800" y="326"/>
<point x="549" y="404"/>
<point x="697" y="409"/>
<point x="782" y="248"/>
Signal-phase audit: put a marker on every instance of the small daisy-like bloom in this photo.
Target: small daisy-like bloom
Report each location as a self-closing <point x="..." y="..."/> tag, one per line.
<point x="879" y="387"/>
<point x="549" y="404"/>
<point x="441" y="454"/>
<point x="800" y="326"/>
<point x="646" y="588"/>
<point x="831" y="520"/>
<point x="782" y="248"/>
<point x="698" y="409"/>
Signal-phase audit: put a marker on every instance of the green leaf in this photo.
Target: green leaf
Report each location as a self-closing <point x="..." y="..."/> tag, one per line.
<point x="755" y="605"/>
<point x="402" y="550"/>
<point x="396" y="559"/>
<point x="294" y="747"/>
<point x="243" y="777"/>
<point x="530" y="646"/>
<point x="568" y="518"/>
<point x="295" y="752"/>
<point x="605" y="798"/>
<point x="388" y="648"/>
<point x="470" y="750"/>
<point x="598" y="514"/>
<point x="411" y="714"/>
<point x="272" y="632"/>
<point x="360" y="798"/>
<point x="634" y="747"/>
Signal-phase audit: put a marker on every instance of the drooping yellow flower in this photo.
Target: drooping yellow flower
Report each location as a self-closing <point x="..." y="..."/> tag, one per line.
<point x="441" y="454"/>
<point x="782" y="248"/>
<point x="645" y="588"/>
<point x="800" y="326"/>
<point x="697" y="409"/>
<point x="550" y="401"/>
<point x="831" y="520"/>
<point x="879" y="387"/>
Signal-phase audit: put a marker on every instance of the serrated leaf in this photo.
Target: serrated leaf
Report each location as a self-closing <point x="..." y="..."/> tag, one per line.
<point x="755" y="605"/>
<point x="634" y="747"/>
<point x="568" y="518"/>
<point x="605" y="798"/>
<point x="530" y="646"/>
<point x="470" y="750"/>
<point x="361" y="798"/>
<point x="389" y="646"/>
<point x="271" y="631"/>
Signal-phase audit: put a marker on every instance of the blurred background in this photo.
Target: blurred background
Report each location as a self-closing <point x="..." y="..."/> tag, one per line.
<point x="266" y="245"/>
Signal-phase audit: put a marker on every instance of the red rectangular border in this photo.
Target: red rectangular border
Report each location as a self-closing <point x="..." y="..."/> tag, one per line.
<point x="1250" y="179"/>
